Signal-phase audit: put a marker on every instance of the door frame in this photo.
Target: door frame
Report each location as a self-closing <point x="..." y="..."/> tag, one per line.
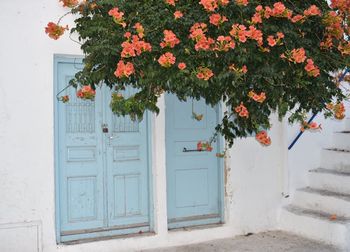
<point x="68" y="58"/>
<point x="221" y="166"/>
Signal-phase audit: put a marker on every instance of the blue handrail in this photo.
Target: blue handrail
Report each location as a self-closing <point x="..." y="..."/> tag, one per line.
<point x="341" y="78"/>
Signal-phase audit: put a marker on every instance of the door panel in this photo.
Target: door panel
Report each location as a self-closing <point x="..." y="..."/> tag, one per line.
<point x="192" y="177"/>
<point x="80" y="159"/>
<point x="127" y="168"/>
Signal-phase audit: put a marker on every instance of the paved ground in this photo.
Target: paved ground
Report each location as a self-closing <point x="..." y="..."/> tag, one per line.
<point x="263" y="242"/>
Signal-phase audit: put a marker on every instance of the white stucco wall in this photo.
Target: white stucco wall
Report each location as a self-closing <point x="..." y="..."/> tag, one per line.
<point x="255" y="175"/>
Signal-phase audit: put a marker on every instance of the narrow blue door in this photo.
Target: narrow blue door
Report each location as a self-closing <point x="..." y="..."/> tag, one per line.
<point x="80" y="159"/>
<point x="193" y="178"/>
<point x="103" y="165"/>
<point x="127" y="169"/>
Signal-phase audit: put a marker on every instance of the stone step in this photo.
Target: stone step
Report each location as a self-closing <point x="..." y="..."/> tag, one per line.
<point x="315" y="225"/>
<point x="323" y="200"/>
<point x="331" y="180"/>
<point x="341" y="140"/>
<point x="336" y="159"/>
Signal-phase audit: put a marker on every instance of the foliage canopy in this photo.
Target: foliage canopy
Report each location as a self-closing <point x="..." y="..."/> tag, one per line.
<point x="257" y="57"/>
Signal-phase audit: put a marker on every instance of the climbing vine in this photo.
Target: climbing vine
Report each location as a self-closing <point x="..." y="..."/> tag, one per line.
<point x="256" y="57"/>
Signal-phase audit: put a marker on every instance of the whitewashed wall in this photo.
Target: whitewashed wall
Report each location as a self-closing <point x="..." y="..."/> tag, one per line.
<point x="255" y="175"/>
<point x="306" y="154"/>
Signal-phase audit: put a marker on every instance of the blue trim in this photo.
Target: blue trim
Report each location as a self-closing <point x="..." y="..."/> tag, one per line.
<point x="341" y="78"/>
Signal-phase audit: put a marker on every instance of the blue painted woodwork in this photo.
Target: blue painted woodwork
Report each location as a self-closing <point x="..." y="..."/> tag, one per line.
<point x="102" y="178"/>
<point x="193" y="178"/>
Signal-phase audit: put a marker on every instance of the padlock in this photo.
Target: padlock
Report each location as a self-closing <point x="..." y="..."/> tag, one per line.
<point x="104" y="128"/>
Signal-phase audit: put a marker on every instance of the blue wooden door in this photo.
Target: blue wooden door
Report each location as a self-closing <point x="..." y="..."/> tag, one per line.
<point x="102" y="176"/>
<point x="127" y="169"/>
<point x="193" y="178"/>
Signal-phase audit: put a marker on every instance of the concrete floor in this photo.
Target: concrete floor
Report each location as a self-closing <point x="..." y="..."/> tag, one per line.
<point x="263" y="242"/>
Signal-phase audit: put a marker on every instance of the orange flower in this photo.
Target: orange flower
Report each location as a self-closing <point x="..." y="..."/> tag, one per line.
<point x="237" y="70"/>
<point x="124" y="70"/>
<point x="217" y="19"/>
<point x="117" y="16"/>
<point x="204" y="73"/>
<point x="242" y="110"/>
<point x="69" y="3"/>
<point x="55" y="31"/>
<point x="313" y="10"/>
<point x="181" y="66"/>
<point x="167" y="59"/>
<point x="310" y="126"/>
<point x="272" y="42"/>
<point x="140" y="30"/>
<point x="171" y="2"/>
<point x="263" y="138"/>
<point x="197" y="31"/>
<point x="278" y="9"/>
<point x="242" y="2"/>
<point x="257" y="97"/>
<point x="298" y="55"/>
<point x="86" y="93"/>
<point x="209" y="5"/>
<point x="311" y="68"/>
<point x="134" y="47"/>
<point x="298" y="18"/>
<point x="224" y="43"/>
<point x="257" y="18"/>
<point x="170" y="39"/>
<point x="178" y="14"/>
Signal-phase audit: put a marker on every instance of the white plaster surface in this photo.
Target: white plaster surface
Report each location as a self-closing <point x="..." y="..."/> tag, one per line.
<point x="256" y="176"/>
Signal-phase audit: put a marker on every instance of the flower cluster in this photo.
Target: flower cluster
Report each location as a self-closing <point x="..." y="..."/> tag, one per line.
<point x="337" y="109"/>
<point x="204" y="73"/>
<point x="64" y="98"/>
<point x="55" y="31"/>
<point x="69" y="3"/>
<point x="134" y="47"/>
<point x="178" y="14"/>
<point x="238" y="70"/>
<point x="224" y="43"/>
<point x="257" y="97"/>
<point x="204" y="146"/>
<point x="311" y="68"/>
<point x="212" y="5"/>
<point x="124" y="70"/>
<point x="117" y="16"/>
<point x="170" y="40"/>
<point x="216" y="19"/>
<point x="263" y="138"/>
<point x="86" y="93"/>
<point x="242" y="110"/>
<point x="310" y="126"/>
<point x="273" y="41"/>
<point x="167" y="59"/>
<point x="242" y="34"/>
<point x="171" y="2"/>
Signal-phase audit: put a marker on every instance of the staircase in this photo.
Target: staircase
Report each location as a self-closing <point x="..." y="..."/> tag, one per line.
<point x="322" y="210"/>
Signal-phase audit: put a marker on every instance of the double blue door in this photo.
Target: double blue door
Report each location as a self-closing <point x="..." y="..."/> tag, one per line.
<point x="194" y="181"/>
<point x="103" y="165"/>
